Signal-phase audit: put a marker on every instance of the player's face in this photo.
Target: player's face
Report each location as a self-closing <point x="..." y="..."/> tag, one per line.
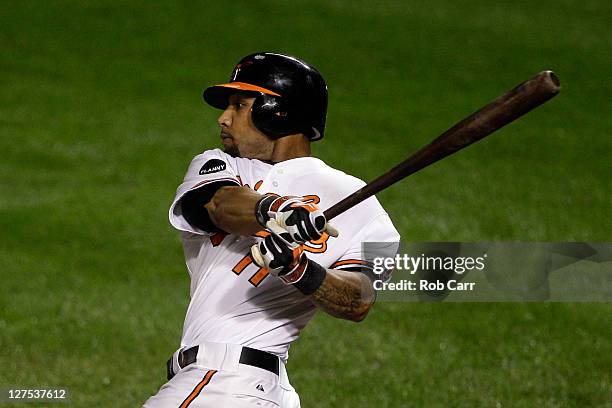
<point x="239" y="135"/>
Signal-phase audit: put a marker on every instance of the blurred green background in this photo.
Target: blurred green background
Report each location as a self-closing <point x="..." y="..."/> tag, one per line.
<point x="100" y="114"/>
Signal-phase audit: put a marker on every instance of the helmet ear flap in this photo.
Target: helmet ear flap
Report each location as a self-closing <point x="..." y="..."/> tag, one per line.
<point x="272" y="116"/>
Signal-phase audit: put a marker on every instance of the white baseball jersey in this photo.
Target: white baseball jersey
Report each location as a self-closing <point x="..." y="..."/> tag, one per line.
<point x="232" y="299"/>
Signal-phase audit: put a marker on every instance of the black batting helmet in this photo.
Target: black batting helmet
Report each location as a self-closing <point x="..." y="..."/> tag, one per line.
<point x="290" y="95"/>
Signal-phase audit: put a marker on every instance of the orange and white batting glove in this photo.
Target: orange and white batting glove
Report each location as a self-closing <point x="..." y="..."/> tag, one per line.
<point x="287" y="261"/>
<point x="281" y="257"/>
<point x="302" y="220"/>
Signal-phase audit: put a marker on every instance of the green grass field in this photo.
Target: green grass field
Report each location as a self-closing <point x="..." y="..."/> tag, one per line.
<point x="100" y="113"/>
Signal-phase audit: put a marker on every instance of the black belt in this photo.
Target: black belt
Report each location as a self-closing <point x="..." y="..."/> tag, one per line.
<point x="248" y="356"/>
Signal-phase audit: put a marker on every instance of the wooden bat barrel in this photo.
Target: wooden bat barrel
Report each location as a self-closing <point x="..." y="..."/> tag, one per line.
<point x="495" y="115"/>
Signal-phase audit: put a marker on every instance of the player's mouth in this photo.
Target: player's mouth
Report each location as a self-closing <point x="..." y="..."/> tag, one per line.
<point x="225" y="136"/>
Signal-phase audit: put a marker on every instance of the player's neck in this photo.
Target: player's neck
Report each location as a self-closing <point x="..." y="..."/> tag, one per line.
<point x="290" y="147"/>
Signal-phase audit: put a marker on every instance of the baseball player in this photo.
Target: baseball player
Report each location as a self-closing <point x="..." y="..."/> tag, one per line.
<point x="261" y="255"/>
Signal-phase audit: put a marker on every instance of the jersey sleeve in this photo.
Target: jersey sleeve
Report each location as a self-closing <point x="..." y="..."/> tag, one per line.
<point x="209" y="168"/>
<point x="378" y="238"/>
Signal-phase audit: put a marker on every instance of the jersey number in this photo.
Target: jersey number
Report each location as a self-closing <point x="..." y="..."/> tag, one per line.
<point x="257" y="277"/>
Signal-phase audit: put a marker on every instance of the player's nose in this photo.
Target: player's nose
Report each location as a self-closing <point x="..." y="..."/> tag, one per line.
<point x="225" y="119"/>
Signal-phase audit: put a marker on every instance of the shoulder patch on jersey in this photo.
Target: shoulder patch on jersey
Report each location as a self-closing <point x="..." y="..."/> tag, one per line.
<point x="213" y="166"/>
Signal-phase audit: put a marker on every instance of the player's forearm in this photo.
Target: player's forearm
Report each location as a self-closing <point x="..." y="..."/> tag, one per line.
<point x="232" y="209"/>
<point x="343" y="294"/>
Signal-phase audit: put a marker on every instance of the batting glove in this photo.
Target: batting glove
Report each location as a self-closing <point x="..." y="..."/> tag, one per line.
<point x="279" y="256"/>
<point x="302" y="220"/>
<point x="287" y="261"/>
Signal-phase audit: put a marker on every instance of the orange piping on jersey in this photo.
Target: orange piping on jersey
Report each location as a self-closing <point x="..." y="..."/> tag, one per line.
<point x="196" y="391"/>
<point x="351" y="262"/>
<point x="258" y="184"/>
<point x="259" y="276"/>
<point x="262" y="233"/>
<point x="244" y="262"/>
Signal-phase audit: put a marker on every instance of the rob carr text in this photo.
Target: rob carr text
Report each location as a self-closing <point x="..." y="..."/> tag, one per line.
<point x="424" y="285"/>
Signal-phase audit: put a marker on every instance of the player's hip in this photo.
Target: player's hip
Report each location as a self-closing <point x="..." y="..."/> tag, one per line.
<point x="223" y="375"/>
<point x="273" y="335"/>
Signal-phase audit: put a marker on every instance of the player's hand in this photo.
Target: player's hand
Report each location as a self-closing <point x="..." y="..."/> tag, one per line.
<point x="284" y="259"/>
<point x="302" y="220"/>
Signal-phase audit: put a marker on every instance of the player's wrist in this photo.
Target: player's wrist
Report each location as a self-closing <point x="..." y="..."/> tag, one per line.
<point x="262" y="209"/>
<point x="306" y="277"/>
<point x="268" y="206"/>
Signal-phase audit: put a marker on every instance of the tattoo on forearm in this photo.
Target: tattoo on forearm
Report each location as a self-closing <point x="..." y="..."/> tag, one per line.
<point x="343" y="295"/>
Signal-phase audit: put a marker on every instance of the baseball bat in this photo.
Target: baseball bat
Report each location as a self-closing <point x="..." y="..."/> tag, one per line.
<point x="493" y="116"/>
